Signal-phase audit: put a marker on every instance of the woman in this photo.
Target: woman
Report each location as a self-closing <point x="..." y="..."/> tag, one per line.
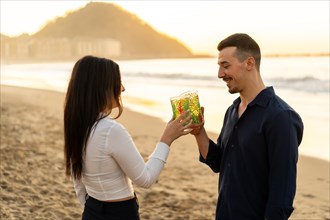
<point x="100" y="154"/>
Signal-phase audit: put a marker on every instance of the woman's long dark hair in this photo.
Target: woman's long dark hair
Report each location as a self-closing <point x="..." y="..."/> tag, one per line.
<point x="94" y="83"/>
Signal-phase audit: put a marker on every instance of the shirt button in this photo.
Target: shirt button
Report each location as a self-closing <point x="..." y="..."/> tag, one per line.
<point x="228" y="164"/>
<point x="232" y="145"/>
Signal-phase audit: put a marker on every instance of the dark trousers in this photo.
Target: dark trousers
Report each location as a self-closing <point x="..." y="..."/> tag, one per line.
<point x="98" y="210"/>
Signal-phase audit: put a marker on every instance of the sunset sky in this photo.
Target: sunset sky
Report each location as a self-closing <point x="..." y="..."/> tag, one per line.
<point x="280" y="27"/>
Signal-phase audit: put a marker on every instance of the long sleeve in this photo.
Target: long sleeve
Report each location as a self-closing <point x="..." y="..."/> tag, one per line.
<point x="80" y="190"/>
<point x="124" y="151"/>
<point x="214" y="154"/>
<point x="284" y="136"/>
<point x="213" y="158"/>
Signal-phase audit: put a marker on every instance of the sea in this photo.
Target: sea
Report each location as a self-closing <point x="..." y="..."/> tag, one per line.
<point x="303" y="82"/>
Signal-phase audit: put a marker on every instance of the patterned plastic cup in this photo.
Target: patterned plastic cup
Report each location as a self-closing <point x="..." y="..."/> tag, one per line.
<point x="187" y="101"/>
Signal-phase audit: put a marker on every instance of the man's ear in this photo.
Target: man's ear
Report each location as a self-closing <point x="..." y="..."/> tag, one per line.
<point x="250" y="63"/>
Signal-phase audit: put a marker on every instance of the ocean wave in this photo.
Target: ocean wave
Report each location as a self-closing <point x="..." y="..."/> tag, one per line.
<point x="180" y="76"/>
<point x="304" y="83"/>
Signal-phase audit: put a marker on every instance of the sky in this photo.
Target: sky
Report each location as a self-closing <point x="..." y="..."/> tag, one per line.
<point x="280" y="27"/>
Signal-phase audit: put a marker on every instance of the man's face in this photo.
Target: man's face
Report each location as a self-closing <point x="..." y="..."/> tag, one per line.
<point x="230" y="70"/>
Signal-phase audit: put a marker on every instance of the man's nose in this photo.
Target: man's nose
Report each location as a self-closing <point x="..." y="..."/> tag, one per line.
<point x="221" y="73"/>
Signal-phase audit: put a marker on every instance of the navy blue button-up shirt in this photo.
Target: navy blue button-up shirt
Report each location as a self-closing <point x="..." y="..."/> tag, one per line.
<point x="256" y="156"/>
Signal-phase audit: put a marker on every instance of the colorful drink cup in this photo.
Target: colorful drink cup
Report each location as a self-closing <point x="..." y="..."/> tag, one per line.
<point x="187" y="101"/>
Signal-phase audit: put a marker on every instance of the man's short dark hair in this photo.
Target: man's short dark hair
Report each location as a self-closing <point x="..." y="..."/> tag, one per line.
<point x="245" y="45"/>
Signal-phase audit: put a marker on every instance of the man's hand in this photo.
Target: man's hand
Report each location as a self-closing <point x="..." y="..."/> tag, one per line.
<point x="196" y="128"/>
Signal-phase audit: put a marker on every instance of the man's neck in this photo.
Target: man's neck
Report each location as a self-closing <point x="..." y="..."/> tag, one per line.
<point x="248" y="96"/>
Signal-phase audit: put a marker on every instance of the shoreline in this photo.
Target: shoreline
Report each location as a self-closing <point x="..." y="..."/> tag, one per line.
<point x="32" y="170"/>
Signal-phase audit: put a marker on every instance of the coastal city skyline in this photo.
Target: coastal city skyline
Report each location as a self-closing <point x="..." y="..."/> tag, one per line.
<point x="293" y="27"/>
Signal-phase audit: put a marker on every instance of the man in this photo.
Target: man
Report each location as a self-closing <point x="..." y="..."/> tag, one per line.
<point x="257" y="150"/>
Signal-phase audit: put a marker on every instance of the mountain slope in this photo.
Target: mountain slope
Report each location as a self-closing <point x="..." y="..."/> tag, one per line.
<point x="105" y="20"/>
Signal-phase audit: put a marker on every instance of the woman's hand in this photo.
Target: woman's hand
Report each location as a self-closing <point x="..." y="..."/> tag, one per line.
<point x="176" y="128"/>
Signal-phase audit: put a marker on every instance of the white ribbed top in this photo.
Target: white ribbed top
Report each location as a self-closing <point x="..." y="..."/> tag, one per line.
<point x="112" y="161"/>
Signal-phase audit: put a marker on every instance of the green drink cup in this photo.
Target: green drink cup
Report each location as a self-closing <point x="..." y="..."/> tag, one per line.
<point x="187" y="101"/>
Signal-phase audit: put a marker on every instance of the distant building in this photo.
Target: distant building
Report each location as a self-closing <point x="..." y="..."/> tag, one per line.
<point x="103" y="47"/>
<point x="54" y="49"/>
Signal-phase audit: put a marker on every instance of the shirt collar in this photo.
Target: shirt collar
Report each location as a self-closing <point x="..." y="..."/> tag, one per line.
<point x="261" y="99"/>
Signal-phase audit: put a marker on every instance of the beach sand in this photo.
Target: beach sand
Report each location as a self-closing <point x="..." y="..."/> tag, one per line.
<point x="33" y="184"/>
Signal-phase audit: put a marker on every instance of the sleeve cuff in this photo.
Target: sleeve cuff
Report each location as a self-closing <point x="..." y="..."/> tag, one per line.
<point x="210" y="152"/>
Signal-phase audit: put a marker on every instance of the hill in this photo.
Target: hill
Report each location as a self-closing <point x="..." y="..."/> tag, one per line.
<point x="102" y="29"/>
<point x="106" y="20"/>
